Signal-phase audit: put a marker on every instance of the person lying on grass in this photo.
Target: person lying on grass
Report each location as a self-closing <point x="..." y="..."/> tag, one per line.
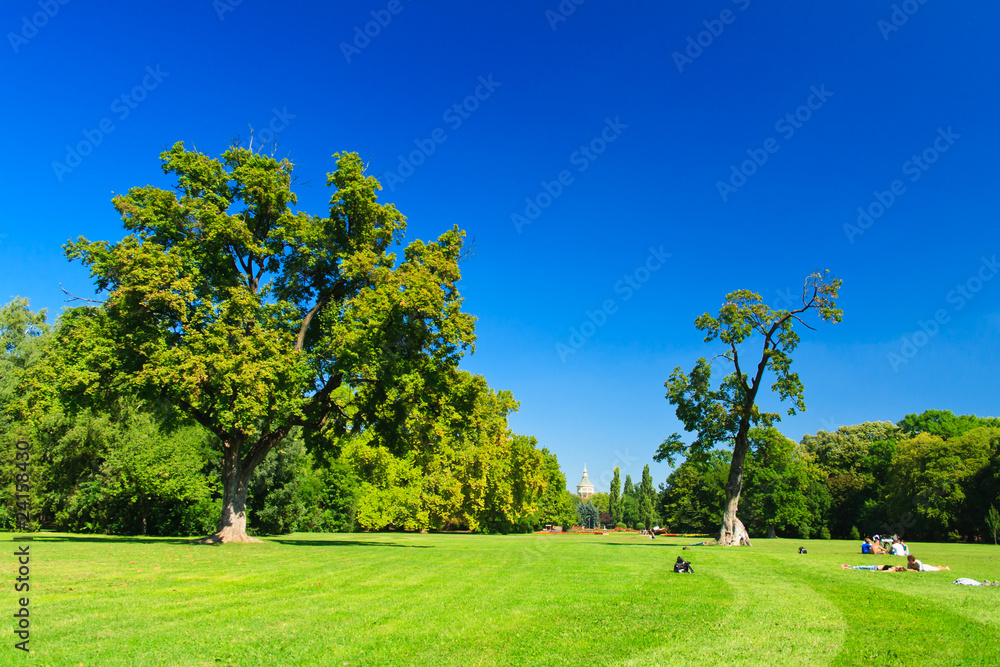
<point x="876" y="568"/>
<point x="914" y="564"/>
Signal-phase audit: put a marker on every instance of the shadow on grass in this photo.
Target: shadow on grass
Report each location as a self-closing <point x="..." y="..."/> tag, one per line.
<point x="197" y="541"/>
<point x="345" y="543"/>
<point x="640" y="544"/>
<point x="115" y="539"/>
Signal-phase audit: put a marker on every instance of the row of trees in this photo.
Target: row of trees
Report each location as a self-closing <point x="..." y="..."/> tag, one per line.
<point x="931" y="476"/>
<point x="251" y="358"/>
<point x="634" y="506"/>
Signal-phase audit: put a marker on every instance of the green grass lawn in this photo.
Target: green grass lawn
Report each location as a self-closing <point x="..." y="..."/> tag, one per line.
<point x="394" y="599"/>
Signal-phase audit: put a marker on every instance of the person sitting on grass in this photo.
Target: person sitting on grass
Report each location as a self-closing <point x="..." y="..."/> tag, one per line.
<point x="874" y="548"/>
<point x="876" y="568"/>
<point x="897" y="547"/>
<point x="868" y="548"/>
<point x="915" y="565"/>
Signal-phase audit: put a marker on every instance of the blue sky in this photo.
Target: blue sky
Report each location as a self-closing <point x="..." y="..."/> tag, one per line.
<point x="692" y="150"/>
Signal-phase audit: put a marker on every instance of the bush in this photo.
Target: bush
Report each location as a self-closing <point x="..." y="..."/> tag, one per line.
<point x="855" y="535"/>
<point x="621" y="525"/>
<point x="824" y="533"/>
<point x="804" y="532"/>
<point x="640" y="525"/>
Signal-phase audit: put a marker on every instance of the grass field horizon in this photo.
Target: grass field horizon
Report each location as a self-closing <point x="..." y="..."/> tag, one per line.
<point x="443" y="599"/>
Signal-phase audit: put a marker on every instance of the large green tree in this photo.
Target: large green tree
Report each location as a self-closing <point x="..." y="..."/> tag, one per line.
<point x="727" y="413"/>
<point x="254" y="318"/>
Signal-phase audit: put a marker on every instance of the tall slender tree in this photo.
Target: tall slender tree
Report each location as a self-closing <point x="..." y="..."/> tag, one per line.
<point x="615" y="503"/>
<point x="646" y="494"/>
<point x="726" y="414"/>
<point x="254" y="318"/>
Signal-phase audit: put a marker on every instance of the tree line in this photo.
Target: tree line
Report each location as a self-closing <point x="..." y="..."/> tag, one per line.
<point x="932" y="476"/>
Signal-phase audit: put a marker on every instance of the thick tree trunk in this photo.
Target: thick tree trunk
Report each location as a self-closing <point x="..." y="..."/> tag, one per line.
<point x="235" y="486"/>
<point x="733" y="532"/>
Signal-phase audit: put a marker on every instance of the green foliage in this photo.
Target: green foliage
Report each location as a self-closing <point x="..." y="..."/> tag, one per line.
<point x="277" y="501"/>
<point x="600" y="500"/>
<point x="647" y="497"/>
<point x="993" y="522"/>
<point x="464" y="469"/>
<point x="126" y="473"/>
<point x="856" y="461"/>
<point x="930" y="476"/>
<point x="776" y="486"/>
<point x="629" y="489"/>
<point x="692" y="498"/>
<point x="943" y="423"/>
<point x="718" y="416"/>
<point x="252" y="318"/>
<point x="587" y="515"/>
<point x="854" y="535"/>
<point x="630" y="510"/>
<point x="555" y="506"/>
<point x="614" y="500"/>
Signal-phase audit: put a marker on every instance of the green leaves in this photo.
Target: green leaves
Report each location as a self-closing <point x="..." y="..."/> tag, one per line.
<point x="717" y="415"/>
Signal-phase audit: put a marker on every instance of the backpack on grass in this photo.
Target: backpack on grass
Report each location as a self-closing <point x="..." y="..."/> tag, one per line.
<point x="683" y="566"/>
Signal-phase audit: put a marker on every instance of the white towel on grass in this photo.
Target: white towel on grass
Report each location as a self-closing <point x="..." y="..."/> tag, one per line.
<point x="965" y="581"/>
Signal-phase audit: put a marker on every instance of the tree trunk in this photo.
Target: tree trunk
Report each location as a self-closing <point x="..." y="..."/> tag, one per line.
<point x="733" y="532"/>
<point x="235" y="485"/>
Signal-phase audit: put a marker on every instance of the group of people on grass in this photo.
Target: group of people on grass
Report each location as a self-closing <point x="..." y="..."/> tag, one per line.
<point x="876" y="545"/>
<point x="895" y="547"/>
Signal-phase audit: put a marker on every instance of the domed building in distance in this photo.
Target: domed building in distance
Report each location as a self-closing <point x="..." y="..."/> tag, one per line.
<point x="585" y="488"/>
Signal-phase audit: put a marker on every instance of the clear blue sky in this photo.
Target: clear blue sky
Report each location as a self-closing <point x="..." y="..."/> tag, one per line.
<point x="640" y="123"/>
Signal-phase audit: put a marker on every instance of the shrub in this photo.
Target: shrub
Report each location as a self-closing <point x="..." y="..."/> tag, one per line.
<point x="824" y="533"/>
<point x="804" y="532"/>
<point x="855" y="535"/>
<point x="621" y="525"/>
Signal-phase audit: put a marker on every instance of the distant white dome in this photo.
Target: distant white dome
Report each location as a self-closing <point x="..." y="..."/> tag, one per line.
<point x="585" y="488"/>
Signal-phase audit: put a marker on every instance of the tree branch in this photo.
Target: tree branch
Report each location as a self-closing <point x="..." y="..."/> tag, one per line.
<point x="301" y="338"/>
<point x="74" y="297"/>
